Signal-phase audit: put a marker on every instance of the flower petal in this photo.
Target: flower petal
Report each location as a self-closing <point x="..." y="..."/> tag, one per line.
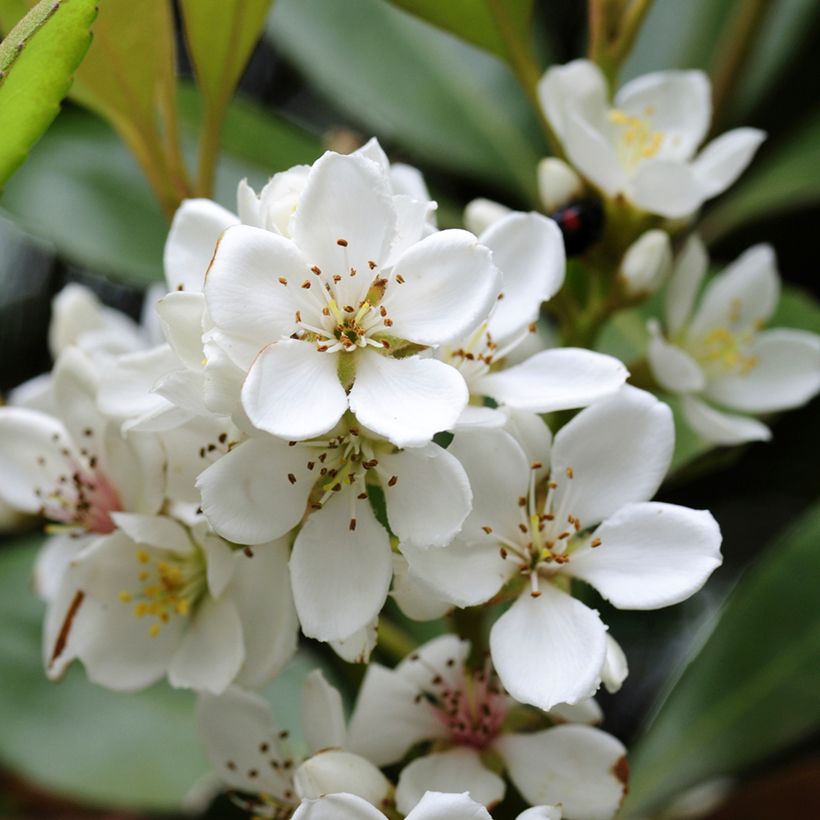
<point x="724" y="159"/>
<point x="256" y="492"/>
<point x="548" y="650"/>
<point x="358" y="647"/>
<point x="742" y="296"/>
<point x="427" y="494"/>
<point x="615" y="669"/>
<point x="581" y="768"/>
<point x="388" y="718"/>
<point x="181" y="316"/>
<point x="407" y="400"/>
<point x="442" y="288"/>
<point x="454" y="771"/>
<point x="558" y="379"/>
<point x="528" y="249"/>
<point x="651" y="555"/>
<point x="440" y="806"/>
<point x="345" y="198"/>
<point x="678" y="104"/>
<point x="293" y="391"/>
<point x="323" y="719"/>
<point x="340" y="575"/>
<point x="336" y="771"/>
<point x="337" y="807"/>
<point x="211" y="651"/>
<point x="195" y="231"/>
<point x="673" y="368"/>
<point x="666" y="187"/>
<point x="415" y="598"/>
<point x="616" y="451"/>
<point x="722" y="428"/>
<point x="690" y="268"/>
<point x="154" y="531"/>
<point x="786" y="374"/>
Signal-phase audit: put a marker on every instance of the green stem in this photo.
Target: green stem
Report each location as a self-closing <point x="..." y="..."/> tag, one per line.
<point x="733" y="49"/>
<point x="522" y="61"/>
<point x="469" y="624"/>
<point x="394" y="641"/>
<point x="209" y="149"/>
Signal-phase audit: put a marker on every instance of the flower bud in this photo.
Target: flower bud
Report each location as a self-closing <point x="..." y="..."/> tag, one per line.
<point x="558" y="184"/>
<point x="615" y="668"/>
<point x="481" y="213"/>
<point x="335" y="771"/>
<point x="646" y="263"/>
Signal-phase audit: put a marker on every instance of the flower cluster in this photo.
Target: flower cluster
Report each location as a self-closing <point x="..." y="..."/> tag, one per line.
<point x="342" y="403"/>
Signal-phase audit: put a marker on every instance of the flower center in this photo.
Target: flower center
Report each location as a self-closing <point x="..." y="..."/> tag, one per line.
<point x="724" y="350"/>
<point x="168" y="584"/>
<point x="637" y="139"/>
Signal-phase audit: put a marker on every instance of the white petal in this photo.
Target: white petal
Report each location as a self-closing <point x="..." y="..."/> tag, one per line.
<point x="389" y="717"/>
<point x="220" y="558"/>
<point x="615" y="669"/>
<point x="247" y="205"/>
<point x="347" y="198"/>
<point x="413" y="217"/>
<point x="578" y="83"/>
<point x="724" y="159"/>
<point x="651" y="555"/>
<point x="336" y="771"/>
<point x="589" y="147"/>
<point x="585" y="711"/>
<point x="690" y="268"/>
<point x="407" y="180"/>
<point x="260" y="591"/>
<point x="358" y="647"/>
<point x="323" y="719"/>
<point x="786" y="374"/>
<point x="211" y="651"/>
<point x="558" y="184"/>
<point x="407" y="400"/>
<point x="234" y="728"/>
<point x="548" y="650"/>
<point x="427" y="494"/>
<point x="450" y="284"/>
<point x="557" y="379"/>
<point x="248" y="495"/>
<point x="246" y="298"/>
<point x="481" y="213"/>
<point x="541" y="813"/>
<point x="617" y="451"/>
<point x="195" y="230"/>
<point x="534" y="437"/>
<point x="580" y="768"/>
<point x="337" y="807"/>
<point x="181" y="316"/>
<point x="673" y="368"/>
<point x="154" y="531"/>
<point x="293" y="391"/>
<point x="74" y="387"/>
<point x="742" y="296"/>
<point x="528" y="249"/>
<point x="722" y="428"/>
<point x="454" y="771"/>
<point x="474" y="416"/>
<point x="340" y="575"/>
<point x="678" y="104"/>
<point x="439" y="806"/>
<point x="462" y="573"/>
<point x="415" y="598"/>
<point x="443" y="657"/>
<point x="53" y="560"/>
<point x="667" y="188"/>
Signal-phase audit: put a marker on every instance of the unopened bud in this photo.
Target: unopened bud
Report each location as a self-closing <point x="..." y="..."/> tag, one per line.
<point x="646" y="263"/>
<point x="481" y="213"/>
<point x="615" y="668"/>
<point x="335" y="771"/>
<point x="558" y="184"/>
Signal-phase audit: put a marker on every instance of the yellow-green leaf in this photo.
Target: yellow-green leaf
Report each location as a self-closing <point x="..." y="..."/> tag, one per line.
<point x="37" y="61"/>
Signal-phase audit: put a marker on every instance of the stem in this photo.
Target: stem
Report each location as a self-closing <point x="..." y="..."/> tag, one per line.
<point x="209" y="149"/>
<point x="394" y="641"/>
<point x="526" y="70"/>
<point x="733" y="48"/>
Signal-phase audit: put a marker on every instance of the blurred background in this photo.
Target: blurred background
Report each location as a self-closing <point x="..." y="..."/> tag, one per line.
<point x="723" y="689"/>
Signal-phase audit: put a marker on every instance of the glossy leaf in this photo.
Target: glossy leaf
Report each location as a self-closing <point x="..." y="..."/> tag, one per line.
<point x="87" y="743"/>
<point x="38" y="58"/>
<point x="752" y="689"/>
<point x="784" y="179"/>
<point x="475" y="21"/>
<point x="444" y="102"/>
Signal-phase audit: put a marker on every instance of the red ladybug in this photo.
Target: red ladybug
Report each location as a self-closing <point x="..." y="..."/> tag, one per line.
<point x="581" y="222"/>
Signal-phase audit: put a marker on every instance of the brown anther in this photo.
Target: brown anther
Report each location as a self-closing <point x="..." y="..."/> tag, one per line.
<point x="317" y="270"/>
<point x="532" y="327"/>
<point x="362" y="496"/>
<point x="306" y="284"/>
<point x="349" y="309"/>
<point x="500" y="296"/>
<point x="342" y="242"/>
<point x="487" y="529"/>
<point x="248" y="552"/>
<point x="371" y="264"/>
<point x="283" y="280"/>
<point x="337" y="278"/>
<point x="388" y="323"/>
<point x="536" y="465"/>
<point x="522" y="501"/>
<point x="385" y="344"/>
<point x="564" y="534"/>
<point x="352" y="524"/>
<point x="353" y="272"/>
<point x="291" y="478"/>
<point x="298" y="316"/>
<point x="596" y="542"/>
<point x="399" y="278"/>
<point x="325" y="311"/>
<point x="523" y="528"/>
<point x="569" y="472"/>
<point x="552" y="485"/>
<point x="392" y="481"/>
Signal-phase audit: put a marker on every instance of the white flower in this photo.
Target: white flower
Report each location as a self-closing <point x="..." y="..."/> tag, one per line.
<point x="718" y="353"/>
<point x="646" y="263"/>
<point x="249" y="753"/>
<point x="432" y="806"/>
<point x="529" y="251"/>
<point x="334" y="318"/>
<point x="341" y="564"/>
<point x="158" y="596"/>
<point x="591" y="522"/>
<point x="643" y="146"/>
<point x="433" y="696"/>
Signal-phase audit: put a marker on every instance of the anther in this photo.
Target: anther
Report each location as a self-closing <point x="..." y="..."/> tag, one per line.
<point x="283" y="280"/>
<point x="342" y="242"/>
<point x="291" y="478"/>
<point x="306" y="284"/>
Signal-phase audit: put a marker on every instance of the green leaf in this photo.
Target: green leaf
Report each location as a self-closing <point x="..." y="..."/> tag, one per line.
<point x="752" y="689"/>
<point x="221" y="35"/>
<point x="444" y="102"/>
<point x="784" y="179"/>
<point x="136" y="751"/>
<point x="37" y="60"/>
<point x="474" y="20"/>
